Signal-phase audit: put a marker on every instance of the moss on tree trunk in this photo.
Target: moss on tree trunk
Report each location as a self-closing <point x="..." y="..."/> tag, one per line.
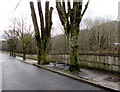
<point x="70" y="18"/>
<point x="73" y="51"/>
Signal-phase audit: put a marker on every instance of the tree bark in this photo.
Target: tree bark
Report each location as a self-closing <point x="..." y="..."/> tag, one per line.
<point x="39" y="53"/>
<point x="73" y="50"/>
<point x="70" y="21"/>
<point x="24" y="53"/>
<point x="37" y="33"/>
<point x="45" y="29"/>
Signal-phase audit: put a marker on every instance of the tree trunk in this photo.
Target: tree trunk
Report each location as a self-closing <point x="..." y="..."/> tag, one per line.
<point x="10" y="53"/>
<point x="24" y="54"/>
<point x="73" y="51"/>
<point x="37" y="33"/>
<point x="39" y="52"/>
<point x="14" y="52"/>
<point x="43" y="57"/>
<point x="44" y="50"/>
<point x="14" y="55"/>
<point x="70" y="21"/>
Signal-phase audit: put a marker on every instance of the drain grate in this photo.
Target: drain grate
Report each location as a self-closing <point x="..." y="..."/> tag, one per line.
<point x="113" y="79"/>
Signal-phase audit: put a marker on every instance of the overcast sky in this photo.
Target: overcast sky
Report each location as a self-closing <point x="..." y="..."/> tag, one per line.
<point x="97" y="8"/>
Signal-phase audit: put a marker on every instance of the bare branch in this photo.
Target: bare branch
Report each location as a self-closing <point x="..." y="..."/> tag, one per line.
<point x="86" y="6"/>
<point x="17" y="5"/>
<point x="63" y="3"/>
<point x="46" y="15"/>
<point x="50" y="20"/>
<point x="41" y="18"/>
<point x="34" y="18"/>
<point x="58" y="6"/>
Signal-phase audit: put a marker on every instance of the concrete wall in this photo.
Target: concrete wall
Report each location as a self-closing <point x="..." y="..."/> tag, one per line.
<point x="108" y="63"/>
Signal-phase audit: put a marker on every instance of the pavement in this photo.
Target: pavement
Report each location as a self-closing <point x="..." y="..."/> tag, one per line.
<point x="17" y="75"/>
<point x="102" y="79"/>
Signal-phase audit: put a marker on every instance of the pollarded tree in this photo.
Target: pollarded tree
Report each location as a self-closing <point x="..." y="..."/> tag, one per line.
<point x="43" y="36"/>
<point x="70" y="19"/>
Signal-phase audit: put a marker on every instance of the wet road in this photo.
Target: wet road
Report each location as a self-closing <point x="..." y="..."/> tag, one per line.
<point x="20" y="76"/>
<point x="0" y="73"/>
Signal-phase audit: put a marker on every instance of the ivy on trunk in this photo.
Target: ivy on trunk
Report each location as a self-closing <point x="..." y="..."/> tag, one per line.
<point x="70" y="19"/>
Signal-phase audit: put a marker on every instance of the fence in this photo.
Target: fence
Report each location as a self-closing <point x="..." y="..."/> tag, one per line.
<point x="101" y="62"/>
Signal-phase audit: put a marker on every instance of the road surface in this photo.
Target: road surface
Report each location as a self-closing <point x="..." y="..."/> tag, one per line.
<point x="20" y="76"/>
<point x="0" y="73"/>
